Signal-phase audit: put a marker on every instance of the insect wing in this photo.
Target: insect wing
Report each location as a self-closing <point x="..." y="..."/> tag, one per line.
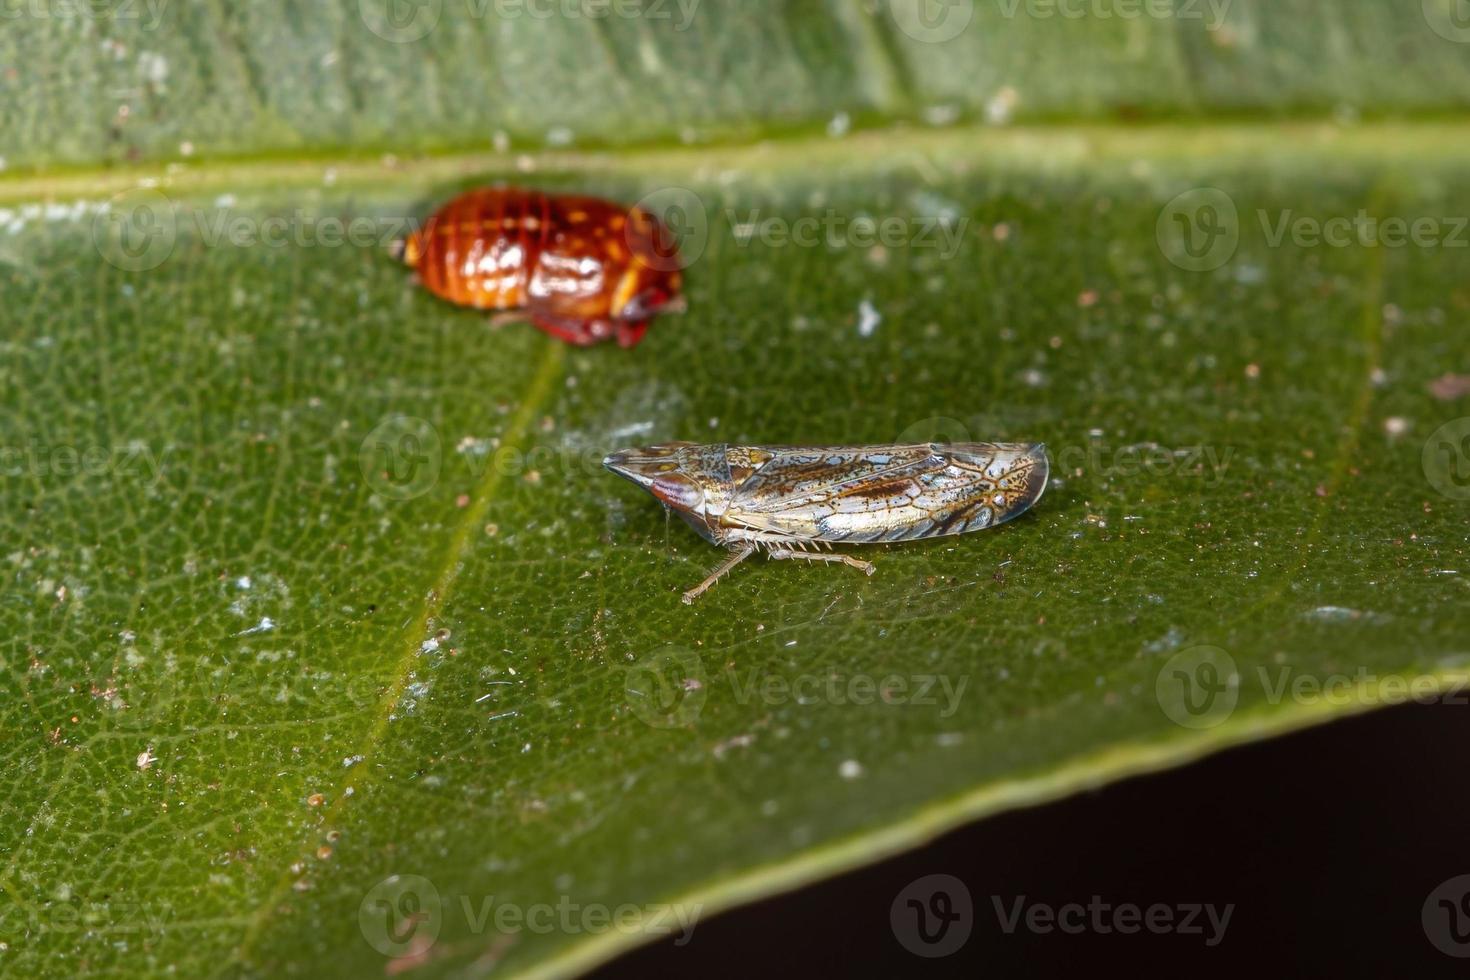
<point x="889" y="493"/>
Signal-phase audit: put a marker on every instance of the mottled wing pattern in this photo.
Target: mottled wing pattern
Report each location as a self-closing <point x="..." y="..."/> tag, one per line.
<point x="888" y="493"/>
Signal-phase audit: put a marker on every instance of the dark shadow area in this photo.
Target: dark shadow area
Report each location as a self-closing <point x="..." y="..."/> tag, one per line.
<point x="1328" y="843"/>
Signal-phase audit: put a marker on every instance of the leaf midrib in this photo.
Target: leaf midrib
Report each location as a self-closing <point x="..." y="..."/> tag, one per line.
<point x="436" y="595"/>
<point x="1050" y="147"/>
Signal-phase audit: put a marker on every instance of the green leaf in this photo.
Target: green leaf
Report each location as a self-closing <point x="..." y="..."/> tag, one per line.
<point x="329" y="640"/>
<point x="259" y="662"/>
<point x="90" y="81"/>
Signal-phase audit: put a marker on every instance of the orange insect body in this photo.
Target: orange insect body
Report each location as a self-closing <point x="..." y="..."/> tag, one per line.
<point x="581" y="268"/>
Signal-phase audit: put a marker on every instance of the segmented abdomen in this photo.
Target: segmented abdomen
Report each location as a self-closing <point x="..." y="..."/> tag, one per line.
<point x="482" y="248"/>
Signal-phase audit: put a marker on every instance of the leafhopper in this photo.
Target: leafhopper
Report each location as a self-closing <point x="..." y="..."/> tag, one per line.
<point x="793" y="500"/>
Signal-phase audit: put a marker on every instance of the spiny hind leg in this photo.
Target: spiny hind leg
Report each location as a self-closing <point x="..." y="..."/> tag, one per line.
<point x="737" y="556"/>
<point x="781" y="552"/>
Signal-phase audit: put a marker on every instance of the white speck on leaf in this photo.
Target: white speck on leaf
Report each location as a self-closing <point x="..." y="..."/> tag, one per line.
<point x="1337" y="614"/>
<point x="265" y="625"/>
<point x="735" y="742"/>
<point x="153" y="67"/>
<point x="634" y="429"/>
<point x="941" y="115"/>
<point x="1000" y="106"/>
<point x="868" y="319"/>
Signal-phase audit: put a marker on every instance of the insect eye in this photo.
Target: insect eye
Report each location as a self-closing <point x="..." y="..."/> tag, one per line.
<point x="667" y="467"/>
<point x="679" y="492"/>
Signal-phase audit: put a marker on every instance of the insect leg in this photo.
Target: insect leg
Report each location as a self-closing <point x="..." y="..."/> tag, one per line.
<point x="630" y="333"/>
<point x="736" y="557"/>
<point x="499" y="320"/>
<point x="779" y="552"/>
<point x="580" y="333"/>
